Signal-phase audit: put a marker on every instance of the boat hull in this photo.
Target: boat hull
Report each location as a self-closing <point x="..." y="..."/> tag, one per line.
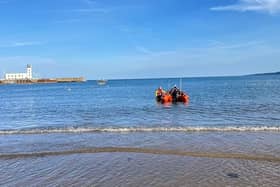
<point x="168" y="99"/>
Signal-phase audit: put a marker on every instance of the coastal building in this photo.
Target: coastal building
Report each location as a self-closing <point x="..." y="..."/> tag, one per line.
<point x="20" y="76"/>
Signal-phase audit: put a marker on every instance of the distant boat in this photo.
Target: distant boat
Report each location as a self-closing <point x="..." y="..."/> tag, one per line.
<point x="102" y="82"/>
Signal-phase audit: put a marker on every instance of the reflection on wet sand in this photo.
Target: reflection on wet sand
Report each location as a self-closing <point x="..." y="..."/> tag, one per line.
<point x="141" y="159"/>
<point x="136" y="169"/>
<point x="146" y="151"/>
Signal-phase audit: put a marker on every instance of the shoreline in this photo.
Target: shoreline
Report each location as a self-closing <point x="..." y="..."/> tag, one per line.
<point x="187" y="129"/>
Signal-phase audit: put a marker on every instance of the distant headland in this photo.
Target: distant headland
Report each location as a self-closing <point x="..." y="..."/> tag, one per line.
<point x="27" y="78"/>
<point x="262" y="74"/>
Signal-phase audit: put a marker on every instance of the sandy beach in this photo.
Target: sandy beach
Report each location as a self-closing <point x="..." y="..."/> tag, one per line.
<point x="142" y="159"/>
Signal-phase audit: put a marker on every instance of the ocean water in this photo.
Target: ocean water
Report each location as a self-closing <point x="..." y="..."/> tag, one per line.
<point x="83" y="134"/>
<point x="214" y="102"/>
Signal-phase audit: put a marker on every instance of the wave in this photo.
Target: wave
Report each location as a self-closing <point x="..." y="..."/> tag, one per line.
<point x="218" y="155"/>
<point x="141" y="129"/>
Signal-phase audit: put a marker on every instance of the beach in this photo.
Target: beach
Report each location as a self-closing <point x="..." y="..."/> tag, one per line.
<point x="105" y="93"/>
<point x="142" y="159"/>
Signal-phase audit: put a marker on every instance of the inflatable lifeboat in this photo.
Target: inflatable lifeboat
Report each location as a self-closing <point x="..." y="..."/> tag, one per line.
<point x="183" y="98"/>
<point x="165" y="97"/>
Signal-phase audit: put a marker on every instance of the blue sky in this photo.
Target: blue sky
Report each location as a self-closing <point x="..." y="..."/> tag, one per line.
<point x="140" y="38"/>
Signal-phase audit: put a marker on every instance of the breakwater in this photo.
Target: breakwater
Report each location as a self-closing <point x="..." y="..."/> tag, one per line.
<point x="46" y="80"/>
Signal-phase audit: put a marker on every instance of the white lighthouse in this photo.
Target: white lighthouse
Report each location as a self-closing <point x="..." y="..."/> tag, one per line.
<point x="29" y="72"/>
<point x="20" y="76"/>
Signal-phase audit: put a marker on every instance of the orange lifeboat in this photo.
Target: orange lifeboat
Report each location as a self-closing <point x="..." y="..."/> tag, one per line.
<point x="166" y="98"/>
<point x="169" y="97"/>
<point x="183" y="98"/>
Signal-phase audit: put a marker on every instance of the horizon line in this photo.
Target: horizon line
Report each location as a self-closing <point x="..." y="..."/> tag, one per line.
<point x="211" y="76"/>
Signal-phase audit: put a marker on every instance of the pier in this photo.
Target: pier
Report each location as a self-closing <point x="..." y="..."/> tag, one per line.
<point x="44" y="81"/>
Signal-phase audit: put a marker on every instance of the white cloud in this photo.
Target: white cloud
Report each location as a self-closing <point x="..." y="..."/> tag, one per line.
<point x="270" y="6"/>
<point x="143" y="50"/>
<point x="91" y="7"/>
<point x="20" y="44"/>
<point x="221" y="45"/>
<point x="213" y="45"/>
<point x="91" y="10"/>
<point x="216" y="58"/>
<point x="89" y="2"/>
<point x="68" y="21"/>
<point x="7" y="60"/>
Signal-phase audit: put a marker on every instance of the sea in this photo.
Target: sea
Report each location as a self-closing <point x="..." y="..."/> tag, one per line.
<point x="85" y="134"/>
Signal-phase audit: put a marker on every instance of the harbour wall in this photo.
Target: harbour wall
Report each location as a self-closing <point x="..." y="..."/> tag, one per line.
<point x="46" y="80"/>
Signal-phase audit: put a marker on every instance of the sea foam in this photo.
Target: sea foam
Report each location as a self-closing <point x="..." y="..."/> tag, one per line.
<point x="141" y="129"/>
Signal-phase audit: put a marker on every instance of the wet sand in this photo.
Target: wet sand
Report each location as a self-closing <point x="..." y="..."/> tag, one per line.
<point x="141" y="159"/>
<point x="221" y="155"/>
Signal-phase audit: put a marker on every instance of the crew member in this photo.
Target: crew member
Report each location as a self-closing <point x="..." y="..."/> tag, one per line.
<point x="174" y="92"/>
<point x="159" y="93"/>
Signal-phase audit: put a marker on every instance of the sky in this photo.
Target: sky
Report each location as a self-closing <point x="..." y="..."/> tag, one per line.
<point x="139" y="38"/>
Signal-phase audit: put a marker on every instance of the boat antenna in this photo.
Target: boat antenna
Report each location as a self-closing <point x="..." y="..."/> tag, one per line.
<point x="181" y="83"/>
<point x="168" y="84"/>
